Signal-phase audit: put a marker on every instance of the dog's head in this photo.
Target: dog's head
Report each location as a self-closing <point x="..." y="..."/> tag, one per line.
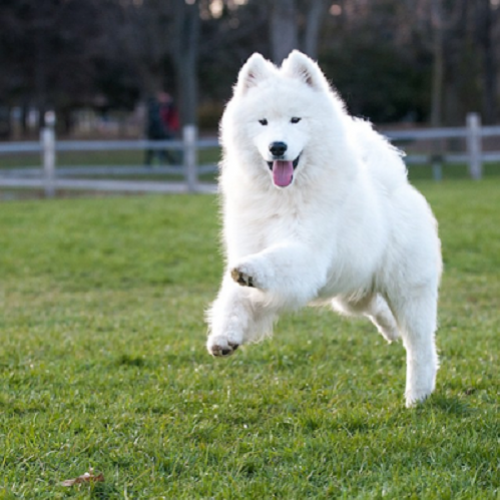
<point x="279" y="116"/>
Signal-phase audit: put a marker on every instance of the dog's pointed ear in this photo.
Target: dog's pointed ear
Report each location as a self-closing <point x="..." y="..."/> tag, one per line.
<point x="298" y="65"/>
<point x="255" y="70"/>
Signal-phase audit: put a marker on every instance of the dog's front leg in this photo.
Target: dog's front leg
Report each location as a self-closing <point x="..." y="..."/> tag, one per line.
<point x="290" y="274"/>
<point x="237" y="316"/>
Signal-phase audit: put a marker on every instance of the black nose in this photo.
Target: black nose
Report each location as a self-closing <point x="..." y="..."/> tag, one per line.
<point x="277" y="148"/>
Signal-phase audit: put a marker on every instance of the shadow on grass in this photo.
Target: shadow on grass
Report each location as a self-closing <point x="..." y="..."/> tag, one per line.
<point x="20" y="410"/>
<point x="135" y="361"/>
<point x="186" y="358"/>
<point x="103" y="491"/>
<point x="447" y="404"/>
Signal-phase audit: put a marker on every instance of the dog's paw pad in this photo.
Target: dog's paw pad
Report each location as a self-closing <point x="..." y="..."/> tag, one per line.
<point x="220" y="349"/>
<point x="242" y="278"/>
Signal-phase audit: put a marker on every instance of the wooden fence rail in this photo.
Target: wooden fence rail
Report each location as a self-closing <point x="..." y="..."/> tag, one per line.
<point x="51" y="177"/>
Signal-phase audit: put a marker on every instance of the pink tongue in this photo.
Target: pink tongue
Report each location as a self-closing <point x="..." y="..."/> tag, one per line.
<point x="282" y="172"/>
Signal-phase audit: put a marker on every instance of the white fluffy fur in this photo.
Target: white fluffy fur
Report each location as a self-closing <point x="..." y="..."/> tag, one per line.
<point x="349" y="231"/>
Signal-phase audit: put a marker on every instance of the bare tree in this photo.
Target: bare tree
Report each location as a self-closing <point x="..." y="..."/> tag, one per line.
<point x="295" y="25"/>
<point x="47" y="56"/>
<point x="185" y="55"/>
<point x="486" y="19"/>
<point x="283" y="32"/>
<point x="75" y="53"/>
<point x="434" y="22"/>
<point x="315" y="14"/>
<point x="437" y="63"/>
<point x="141" y="32"/>
<point x="154" y="33"/>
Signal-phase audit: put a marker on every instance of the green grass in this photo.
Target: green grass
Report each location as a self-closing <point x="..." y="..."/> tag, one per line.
<point x="451" y="171"/>
<point x="103" y="365"/>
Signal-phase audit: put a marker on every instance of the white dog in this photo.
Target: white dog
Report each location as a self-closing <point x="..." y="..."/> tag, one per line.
<point x="317" y="209"/>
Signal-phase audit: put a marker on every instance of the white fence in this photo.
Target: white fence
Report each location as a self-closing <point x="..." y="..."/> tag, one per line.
<point x="473" y="133"/>
<point x="50" y="177"/>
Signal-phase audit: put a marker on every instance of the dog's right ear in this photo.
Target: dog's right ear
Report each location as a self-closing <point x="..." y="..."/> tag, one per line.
<point x="252" y="73"/>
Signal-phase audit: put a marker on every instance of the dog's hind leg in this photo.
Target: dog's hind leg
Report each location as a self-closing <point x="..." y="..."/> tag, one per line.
<point x="373" y="307"/>
<point x="415" y="311"/>
<point x="381" y="316"/>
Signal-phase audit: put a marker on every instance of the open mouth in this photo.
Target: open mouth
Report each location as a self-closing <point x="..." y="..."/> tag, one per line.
<point x="283" y="171"/>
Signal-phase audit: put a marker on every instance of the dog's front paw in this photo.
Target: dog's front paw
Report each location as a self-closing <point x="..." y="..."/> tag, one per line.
<point x="250" y="275"/>
<point x="242" y="278"/>
<point x="221" y="346"/>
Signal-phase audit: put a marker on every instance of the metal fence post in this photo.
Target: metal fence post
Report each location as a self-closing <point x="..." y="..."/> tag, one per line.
<point x="48" y="140"/>
<point x="189" y="134"/>
<point x="474" y="145"/>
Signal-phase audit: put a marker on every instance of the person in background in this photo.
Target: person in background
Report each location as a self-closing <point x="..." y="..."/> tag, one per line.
<point x="162" y="124"/>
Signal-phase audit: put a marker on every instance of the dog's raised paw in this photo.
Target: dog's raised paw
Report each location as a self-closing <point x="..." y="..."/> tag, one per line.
<point x="242" y="278"/>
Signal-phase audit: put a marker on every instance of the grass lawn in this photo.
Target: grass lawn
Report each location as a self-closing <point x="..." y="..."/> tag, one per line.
<point x="103" y="365"/>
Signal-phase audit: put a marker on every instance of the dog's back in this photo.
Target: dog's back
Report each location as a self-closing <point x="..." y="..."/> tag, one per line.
<point x="383" y="161"/>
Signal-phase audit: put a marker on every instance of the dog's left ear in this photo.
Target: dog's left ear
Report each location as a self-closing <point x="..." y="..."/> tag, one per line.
<point x="298" y="65"/>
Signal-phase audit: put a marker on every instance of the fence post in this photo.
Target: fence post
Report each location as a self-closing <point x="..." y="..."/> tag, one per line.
<point x="437" y="167"/>
<point x="474" y="145"/>
<point x="48" y="140"/>
<point x="189" y="134"/>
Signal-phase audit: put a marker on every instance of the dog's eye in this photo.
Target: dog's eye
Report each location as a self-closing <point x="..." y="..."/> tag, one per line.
<point x="295" y="119"/>
<point x="263" y="121"/>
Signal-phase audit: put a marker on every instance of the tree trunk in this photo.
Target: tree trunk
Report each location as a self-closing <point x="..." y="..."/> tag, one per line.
<point x="437" y="64"/>
<point x="283" y="29"/>
<point x="185" y="56"/>
<point x="40" y="70"/>
<point x="484" y="28"/>
<point x="315" y="15"/>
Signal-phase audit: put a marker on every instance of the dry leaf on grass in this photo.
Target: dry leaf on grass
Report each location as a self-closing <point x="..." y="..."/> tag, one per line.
<point x="88" y="477"/>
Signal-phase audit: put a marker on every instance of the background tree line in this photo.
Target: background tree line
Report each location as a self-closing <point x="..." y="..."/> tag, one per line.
<point x="392" y="60"/>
